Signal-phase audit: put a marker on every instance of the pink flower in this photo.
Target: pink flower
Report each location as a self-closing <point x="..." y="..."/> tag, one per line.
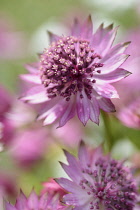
<point x="97" y="182"/>
<point x="35" y="202"/>
<point x="29" y="145"/>
<point x="74" y="74"/>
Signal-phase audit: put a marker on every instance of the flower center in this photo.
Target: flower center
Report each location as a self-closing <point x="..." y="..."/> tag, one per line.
<point x="109" y="186"/>
<point x="68" y="66"/>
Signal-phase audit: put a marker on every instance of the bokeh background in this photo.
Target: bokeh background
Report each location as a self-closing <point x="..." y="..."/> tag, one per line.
<point x="23" y="34"/>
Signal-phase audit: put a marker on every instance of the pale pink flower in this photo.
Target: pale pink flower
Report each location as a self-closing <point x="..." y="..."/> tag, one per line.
<point x="28" y="146"/>
<point x="74" y="74"/>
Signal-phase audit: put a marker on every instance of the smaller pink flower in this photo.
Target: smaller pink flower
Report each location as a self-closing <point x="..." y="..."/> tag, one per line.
<point x="53" y="188"/>
<point x="34" y="202"/>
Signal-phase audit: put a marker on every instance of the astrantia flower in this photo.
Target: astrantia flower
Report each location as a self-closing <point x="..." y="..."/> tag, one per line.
<point x="98" y="182"/>
<point x="74" y="74"/>
<point x="34" y="202"/>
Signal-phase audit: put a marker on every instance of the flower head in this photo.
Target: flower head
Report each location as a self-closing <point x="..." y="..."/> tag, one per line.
<point x="98" y="182"/>
<point x="75" y="72"/>
<point x="34" y="202"/>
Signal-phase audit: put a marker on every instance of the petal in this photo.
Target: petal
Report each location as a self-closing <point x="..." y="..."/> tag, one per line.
<point x="117" y="49"/>
<point x="70" y="170"/>
<point x="68" y="114"/>
<point x="99" y="35"/>
<point x="79" y="199"/>
<point x="113" y="76"/>
<point x="73" y="167"/>
<point x="106" y="104"/>
<point x="83" y="109"/>
<point x="106" y="90"/>
<point x="33" y="202"/>
<point x="68" y="185"/>
<point x="31" y="78"/>
<point x="35" y="95"/>
<point x="105" y="42"/>
<point x="32" y="68"/>
<point x="8" y="206"/>
<point x="94" y="111"/>
<point x="52" y="114"/>
<point x="53" y="37"/>
<point x="113" y="63"/>
<point x="83" y="155"/>
<point x="108" y="41"/>
<point x="43" y="202"/>
<point x="95" y="155"/>
<point x="76" y="28"/>
<point x="21" y="202"/>
<point x="87" y="28"/>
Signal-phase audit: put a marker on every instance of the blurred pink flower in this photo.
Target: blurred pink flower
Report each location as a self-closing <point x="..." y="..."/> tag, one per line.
<point x="128" y="108"/>
<point x="74" y="74"/>
<point x="29" y="145"/>
<point x="12" y="42"/>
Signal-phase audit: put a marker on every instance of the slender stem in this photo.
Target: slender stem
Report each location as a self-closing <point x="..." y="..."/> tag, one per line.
<point x="107" y="130"/>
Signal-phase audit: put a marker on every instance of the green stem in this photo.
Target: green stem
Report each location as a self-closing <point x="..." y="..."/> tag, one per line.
<point x="107" y="130"/>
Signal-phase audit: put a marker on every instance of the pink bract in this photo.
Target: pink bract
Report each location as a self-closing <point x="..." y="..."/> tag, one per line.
<point x="75" y="73"/>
